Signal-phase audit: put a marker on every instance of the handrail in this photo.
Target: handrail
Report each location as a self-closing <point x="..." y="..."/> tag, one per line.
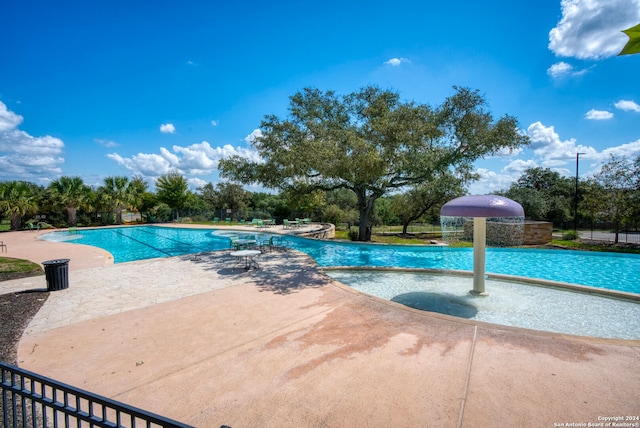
<point x="28" y="397"/>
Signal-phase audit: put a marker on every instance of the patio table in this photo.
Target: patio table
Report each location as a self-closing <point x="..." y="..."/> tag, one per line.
<point x="248" y="256"/>
<point x="244" y="243"/>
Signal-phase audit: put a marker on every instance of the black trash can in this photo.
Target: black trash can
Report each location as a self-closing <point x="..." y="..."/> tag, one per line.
<point x="57" y="274"/>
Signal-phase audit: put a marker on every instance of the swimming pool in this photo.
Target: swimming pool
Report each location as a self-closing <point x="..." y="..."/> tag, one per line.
<point x="613" y="271"/>
<point x="509" y="303"/>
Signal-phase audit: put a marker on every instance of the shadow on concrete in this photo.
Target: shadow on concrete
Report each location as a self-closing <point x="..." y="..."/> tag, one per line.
<point x="447" y="304"/>
<point x="280" y="272"/>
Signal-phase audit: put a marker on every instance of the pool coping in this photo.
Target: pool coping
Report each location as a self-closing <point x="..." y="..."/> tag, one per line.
<point x="605" y="292"/>
<point x="523" y="330"/>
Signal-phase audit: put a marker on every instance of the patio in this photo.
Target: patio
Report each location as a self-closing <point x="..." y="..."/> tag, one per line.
<point x="285" y="345"/>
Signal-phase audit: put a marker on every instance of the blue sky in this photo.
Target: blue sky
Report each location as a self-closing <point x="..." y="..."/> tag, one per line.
<point x="102" y="88"/>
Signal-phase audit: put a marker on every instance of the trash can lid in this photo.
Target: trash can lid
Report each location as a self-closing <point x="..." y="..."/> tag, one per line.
<point x="56" y="262"/>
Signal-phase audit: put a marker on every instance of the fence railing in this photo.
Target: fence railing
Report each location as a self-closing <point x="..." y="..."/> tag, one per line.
<point x="31" y="400"/>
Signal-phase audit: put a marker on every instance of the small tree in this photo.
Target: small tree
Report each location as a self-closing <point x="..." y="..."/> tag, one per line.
<point x="418" y="201"/>
<point x="618" y="180"/>
<point x="173" y="190"/>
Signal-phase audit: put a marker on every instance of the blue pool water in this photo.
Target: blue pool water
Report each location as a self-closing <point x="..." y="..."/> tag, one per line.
<point x="613" y="271"/>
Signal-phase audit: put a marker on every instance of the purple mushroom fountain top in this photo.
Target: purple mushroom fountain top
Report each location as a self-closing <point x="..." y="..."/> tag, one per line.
<point x="482" y="206"/>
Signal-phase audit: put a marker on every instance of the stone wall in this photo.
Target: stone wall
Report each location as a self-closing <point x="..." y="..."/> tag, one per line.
<point x="513" y="234"/>
<point x="326" y="231"/>
<point x="537" y="232"/>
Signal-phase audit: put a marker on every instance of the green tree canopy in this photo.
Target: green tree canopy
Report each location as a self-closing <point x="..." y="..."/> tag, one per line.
<point x="618" y="183"/>
<point x="544" y="194"/>
<point x="371" y="143"/>
<point x="173" y="190"/>
<point x="136" y="190"/>
<point x="18" y="199"/>
<point x="114" y="192"/>
<point x="71" y="193"/>
<point x="423" y="198"/>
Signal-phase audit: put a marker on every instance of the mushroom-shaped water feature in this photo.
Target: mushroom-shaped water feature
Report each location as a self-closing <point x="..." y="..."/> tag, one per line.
<point x="481" y="207"/>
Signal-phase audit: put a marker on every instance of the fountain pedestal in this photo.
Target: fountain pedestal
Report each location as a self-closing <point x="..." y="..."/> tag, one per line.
<point x="481" y="207"/>
<point x="479" y="255"/>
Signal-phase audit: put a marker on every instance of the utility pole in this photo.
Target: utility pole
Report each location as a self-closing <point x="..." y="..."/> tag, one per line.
<point x="575" y="199"/>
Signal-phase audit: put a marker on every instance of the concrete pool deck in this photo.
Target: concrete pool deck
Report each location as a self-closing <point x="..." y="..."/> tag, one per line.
<point x="195" y="340"/>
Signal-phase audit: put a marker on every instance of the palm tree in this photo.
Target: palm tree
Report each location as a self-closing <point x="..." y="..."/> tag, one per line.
<point x="17" y="199"/>
<point x="72" y="193"/>
<point x="135" y="191"/>
<point x="115" y="191"/>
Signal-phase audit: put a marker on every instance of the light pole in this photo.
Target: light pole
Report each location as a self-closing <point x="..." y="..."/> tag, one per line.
<point x="575" y="199"/>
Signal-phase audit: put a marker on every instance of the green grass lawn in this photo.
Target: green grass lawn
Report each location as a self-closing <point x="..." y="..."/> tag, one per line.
<point x="577" y="245"/>
<point x="10" y="265"/>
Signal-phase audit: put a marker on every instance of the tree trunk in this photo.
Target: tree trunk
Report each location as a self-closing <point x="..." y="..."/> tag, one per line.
<point x="365" y="205"/>
<point x="405" y="226"/>
<point x="118" y="215"/>
<point x="16" y="222"/>
<point x="71" y="215"/>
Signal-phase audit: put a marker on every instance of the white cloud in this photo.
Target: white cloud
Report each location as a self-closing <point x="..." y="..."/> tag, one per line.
<point x="195" y="183"/>
<point x="491" y="181"/>
<point x="548" y="146"/>
<point x="627" y="105"/>
<point x="598" y="115"/>
<point x="214" y="123"/>
<point x="550" y="151"/>
<point x="592" y="29"/>
<point x="144" y="164"/>
<point x="167" y="128"/>
<point x="630" y="150"/>
<point x="23" y="156"/>
<point x="256" y="133"/>
<point x="8" y="119"/>
<point x="194" y="160"/>
<point x="106" y="143"/>
<point x="396" y="62"/>
<point x="561" y="69"/>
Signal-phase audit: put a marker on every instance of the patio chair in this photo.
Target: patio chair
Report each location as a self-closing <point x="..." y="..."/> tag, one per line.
<point x="280" y="243"/>
<point x="267" y="244"/>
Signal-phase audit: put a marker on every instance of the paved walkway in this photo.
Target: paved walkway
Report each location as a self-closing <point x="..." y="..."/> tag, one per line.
<point x="195" y="340"/>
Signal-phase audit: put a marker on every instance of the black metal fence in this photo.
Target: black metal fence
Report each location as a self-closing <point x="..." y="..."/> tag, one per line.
<point x="31" y="400"/>
<point x="628" y="233"/>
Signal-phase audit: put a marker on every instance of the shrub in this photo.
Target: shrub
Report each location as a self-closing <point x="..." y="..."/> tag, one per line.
<point x="571" y="235"/>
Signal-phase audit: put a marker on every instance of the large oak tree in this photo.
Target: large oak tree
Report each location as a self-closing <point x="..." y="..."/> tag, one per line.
<point x="372" y="143"/>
